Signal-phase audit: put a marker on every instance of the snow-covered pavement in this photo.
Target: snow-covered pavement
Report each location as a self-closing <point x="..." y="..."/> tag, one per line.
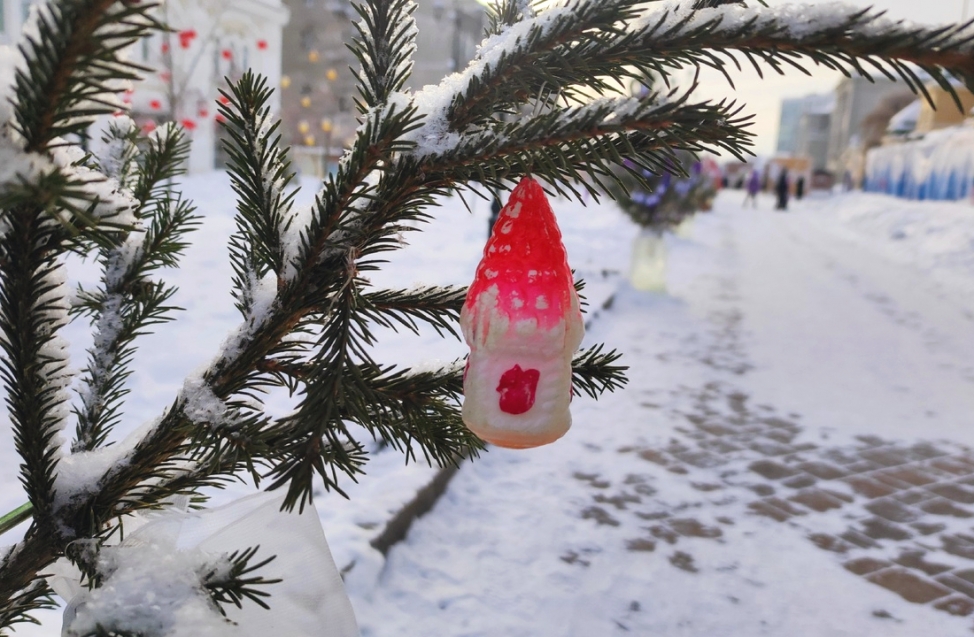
<point x="787" y="460"/>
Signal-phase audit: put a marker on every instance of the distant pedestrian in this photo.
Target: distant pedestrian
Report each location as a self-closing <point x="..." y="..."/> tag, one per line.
<point x="753" y="188"/>
<point x="781" y="189"/>
<point x="800" y="188"/>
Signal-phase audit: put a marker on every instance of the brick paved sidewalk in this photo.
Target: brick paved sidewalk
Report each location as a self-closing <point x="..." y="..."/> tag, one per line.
<point x="909" y="506"/>
<point x="906" y="509"/>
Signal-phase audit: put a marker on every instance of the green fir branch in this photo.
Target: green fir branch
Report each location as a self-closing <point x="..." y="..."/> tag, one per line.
<point x="438" y="307"/>
<point x="75" y="59"/>
<point x="17" y="610"/>
<point x="384" y="47"/>
<point x="234" y="580"/>
<point x="582" y="144"/>
<point x="862" y="42"/>
<point x="594" y="372"/>
<point x="260" y="175"/>
<point x="535" y="68"/>
<point x="33" y="371"/>
<point x="129" y="303"/>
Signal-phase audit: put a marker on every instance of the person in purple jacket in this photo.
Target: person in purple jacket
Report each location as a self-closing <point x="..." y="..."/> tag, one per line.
<point x="753" y="187"/>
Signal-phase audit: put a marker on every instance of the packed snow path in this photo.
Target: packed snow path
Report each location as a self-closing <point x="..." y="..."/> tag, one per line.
<point x="789" y="459"/>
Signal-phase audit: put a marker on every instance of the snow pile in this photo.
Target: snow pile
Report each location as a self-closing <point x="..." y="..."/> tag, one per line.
<point x="936" y="237"/>
<point x="154" y="581"/>
<point x="939" y="165"/>
<point x="149" y="589"/>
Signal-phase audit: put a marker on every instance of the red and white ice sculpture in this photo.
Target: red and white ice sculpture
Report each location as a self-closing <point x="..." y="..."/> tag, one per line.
<point x="522" y="322"/>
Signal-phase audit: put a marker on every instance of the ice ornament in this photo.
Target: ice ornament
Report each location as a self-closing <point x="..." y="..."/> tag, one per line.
<point x="153" y="588"/>
<point x="522" y="322"/>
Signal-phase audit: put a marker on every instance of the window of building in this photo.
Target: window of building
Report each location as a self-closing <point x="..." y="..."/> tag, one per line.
<point x="3" y="22"/>
<point x="25" y="8"/>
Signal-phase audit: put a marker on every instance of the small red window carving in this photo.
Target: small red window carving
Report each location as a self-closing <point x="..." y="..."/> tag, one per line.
<point x="517" y="388"/>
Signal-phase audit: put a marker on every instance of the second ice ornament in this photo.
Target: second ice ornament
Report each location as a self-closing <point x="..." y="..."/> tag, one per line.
<point x="523" y="324"/>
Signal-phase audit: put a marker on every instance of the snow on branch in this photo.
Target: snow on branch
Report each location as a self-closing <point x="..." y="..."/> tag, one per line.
<point x="835" y="35"/>
<point x="579" y="144"/>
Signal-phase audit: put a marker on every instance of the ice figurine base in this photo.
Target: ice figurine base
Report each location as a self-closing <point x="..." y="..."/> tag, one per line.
<point x="523" y="324"/>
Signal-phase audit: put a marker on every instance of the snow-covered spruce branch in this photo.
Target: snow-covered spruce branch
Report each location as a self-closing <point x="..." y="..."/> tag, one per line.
<point x="129" y="302"/>
<point x="35" y="596"/>
<point x="523" y="60"/>
<point x="438" y="307"/>
<point x="76" y="62"/>
<point x="841" y="37"/>
<point x="384" y="47"/>
<point x="260" y="175"/>
<point x="75" y="65"/>
<point x="580" y="144"/>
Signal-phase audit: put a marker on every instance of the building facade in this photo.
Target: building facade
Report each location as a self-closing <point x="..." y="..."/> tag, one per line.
<point x="211" y="41"/>
<point x="855" y="98"/>
<point x="449" y="33"/>
<point x="803" y="127"/>
<point x="791" y="114"/>
<point x="318" y="85"/>
<point x="814" y="126"/>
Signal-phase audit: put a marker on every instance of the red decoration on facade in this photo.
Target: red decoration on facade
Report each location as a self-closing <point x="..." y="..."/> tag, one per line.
<point x="155" y="105"/>
<point x="517" y="388"/>
<point x="226" y="54"/>
<point x="148" y="127"/>
<point x="165" y="47"/>
<point x="204" y="113"/>
<point x="522" y="322"/>
<point x="220" y="119"/>
<point x="188" y="124"/>
<point x="223" y="99"/>
<point x="262" y="45"/>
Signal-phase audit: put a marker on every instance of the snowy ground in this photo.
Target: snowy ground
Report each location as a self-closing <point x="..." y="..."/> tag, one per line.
<point x="846" y="317"/>
<point x="800" y="314"/>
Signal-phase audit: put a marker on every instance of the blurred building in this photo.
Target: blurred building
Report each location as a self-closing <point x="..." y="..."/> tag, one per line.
<point x="318" y="85"/>
<point x="943" y="110"/>
<point x="814" y="126"/>
<point x="855" y="98"/>
<point x="449" y="33"/>
<point x="791" y="113"/>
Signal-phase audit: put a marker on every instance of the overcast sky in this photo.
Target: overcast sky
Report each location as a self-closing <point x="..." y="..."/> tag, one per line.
<point x="763" y="97"/>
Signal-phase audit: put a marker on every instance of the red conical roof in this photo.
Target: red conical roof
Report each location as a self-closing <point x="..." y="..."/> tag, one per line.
<point x="526" y="260"/>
